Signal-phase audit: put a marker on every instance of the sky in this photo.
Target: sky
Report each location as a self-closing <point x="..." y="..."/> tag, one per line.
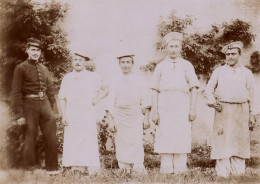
<point x="102" y="29"/>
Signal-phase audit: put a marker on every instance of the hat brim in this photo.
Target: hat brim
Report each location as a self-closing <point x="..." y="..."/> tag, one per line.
<point x="34" y="45"/>
<point x="85" y="57"/>
<point x="130" y="55"/>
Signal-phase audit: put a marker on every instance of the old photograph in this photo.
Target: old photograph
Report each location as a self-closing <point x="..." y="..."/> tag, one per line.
<point x="129" y="91"/>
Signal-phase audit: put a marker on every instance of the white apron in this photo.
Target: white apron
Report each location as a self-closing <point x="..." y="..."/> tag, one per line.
<point x="80" y="147"/>
<point x="125" y="101"/>
<point x="173" y="135"/>
<point x="235" y="140"/>
<point x="174" y="79"/>
<point x="129" y="135"/>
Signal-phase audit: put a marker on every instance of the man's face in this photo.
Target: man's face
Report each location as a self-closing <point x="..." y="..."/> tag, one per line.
<point x="174" y="48"/>
<point x="232" y="56"/>
<point x="33" y="52"/>
<point x="78" y="63"/>
<point x="126" y="64"/>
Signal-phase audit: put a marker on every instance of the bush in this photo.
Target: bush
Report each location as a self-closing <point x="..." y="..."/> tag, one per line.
<point x="203" y="50"/>
<point x="15" y="142"/>
<point x="22" y="19"/>
<point x="200" y="157"/>
<point x="255" y="62"/>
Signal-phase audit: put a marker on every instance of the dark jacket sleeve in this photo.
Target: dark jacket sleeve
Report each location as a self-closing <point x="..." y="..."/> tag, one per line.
<point x="50" y="88"/>
<point x="16" y="93"/>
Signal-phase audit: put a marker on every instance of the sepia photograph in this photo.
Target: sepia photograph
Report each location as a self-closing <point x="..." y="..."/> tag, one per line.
<point x="129" y="91"/>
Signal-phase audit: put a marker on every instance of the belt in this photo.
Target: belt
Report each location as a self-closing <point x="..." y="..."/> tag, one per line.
<point x="41" y="94"/>
<point x="174" y="90"/>
<point x="233" y="102"/>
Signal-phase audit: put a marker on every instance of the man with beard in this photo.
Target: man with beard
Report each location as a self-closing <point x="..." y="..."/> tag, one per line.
<point x="231" y="91"/>
<point x="32" y="99"/>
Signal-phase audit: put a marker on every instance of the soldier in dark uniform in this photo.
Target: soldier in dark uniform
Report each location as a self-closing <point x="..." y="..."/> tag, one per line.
<point x="32" y="99"/>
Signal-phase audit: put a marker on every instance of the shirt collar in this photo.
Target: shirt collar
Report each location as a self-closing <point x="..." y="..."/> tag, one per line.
<point x="176" y="60"/>
<point x="233" y="69"/>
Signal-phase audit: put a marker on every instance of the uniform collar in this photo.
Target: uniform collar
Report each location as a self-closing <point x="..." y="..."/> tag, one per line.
<point x="32" y="61"/>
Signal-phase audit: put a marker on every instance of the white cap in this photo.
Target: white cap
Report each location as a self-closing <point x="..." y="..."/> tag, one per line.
<point x="172" y="36"/>
<point x="232" y="45"/>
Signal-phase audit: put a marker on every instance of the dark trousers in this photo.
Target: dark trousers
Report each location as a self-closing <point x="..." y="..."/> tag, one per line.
<point x="39" y="112"/>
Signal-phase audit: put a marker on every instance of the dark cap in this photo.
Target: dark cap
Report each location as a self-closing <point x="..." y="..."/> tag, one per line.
<point x="34" y="42"/>
<point x="128" y="55"/>
<point x="85" y="57"/>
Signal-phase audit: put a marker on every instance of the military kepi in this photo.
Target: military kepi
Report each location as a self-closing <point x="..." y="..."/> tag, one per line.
<point x="172" y="36"/>
<point x="232" y="45"/>
<point x="85" y="57"/>
<point x="34" y="42"/>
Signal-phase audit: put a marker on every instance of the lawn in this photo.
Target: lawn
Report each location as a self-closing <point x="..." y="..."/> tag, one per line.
<point x="201" y="169"/>
<point x="194" y="175"/>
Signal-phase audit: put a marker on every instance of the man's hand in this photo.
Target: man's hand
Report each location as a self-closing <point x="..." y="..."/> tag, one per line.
<point x="20" y="121"/>
<point x="220" y="131"/>
<point x="192" y="115"/>
<point x="64" y="121"/>
<point x="112" y="127"/>
<point x="146" y="123"/>
<point x="216" y="106"/>
<point x="156" y="118"/>
<point x="252" y="122"/>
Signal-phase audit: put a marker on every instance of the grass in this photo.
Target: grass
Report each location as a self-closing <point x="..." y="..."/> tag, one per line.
<point x="194" y="175"/>
<point x="201" y="170"/>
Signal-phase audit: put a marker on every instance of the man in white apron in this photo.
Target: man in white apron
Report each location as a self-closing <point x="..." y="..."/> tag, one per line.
<point x="174" y="95"/>
<point x="231" y="91"/>
<point x="78" y="95"/>
<point x="128" y="113"/>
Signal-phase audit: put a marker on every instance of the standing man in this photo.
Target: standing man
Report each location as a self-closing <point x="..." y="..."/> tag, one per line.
<point x="32" y="99"/>
<point x="128" y="113"/>
<point x="231" y="91"/>
<point x="174" y="96"/>
<point x="80" y="91"/>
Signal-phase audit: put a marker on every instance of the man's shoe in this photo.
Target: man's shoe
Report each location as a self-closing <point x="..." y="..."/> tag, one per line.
<point x="53" y="173"/>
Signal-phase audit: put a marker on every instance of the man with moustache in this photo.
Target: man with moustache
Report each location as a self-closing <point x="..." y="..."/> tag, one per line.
<point x="80" y="91"/>
<point x="231" y="91"/>
<point x="32" y="99"/>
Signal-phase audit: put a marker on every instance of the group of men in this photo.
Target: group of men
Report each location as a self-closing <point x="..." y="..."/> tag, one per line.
<point x="170" y="101"/>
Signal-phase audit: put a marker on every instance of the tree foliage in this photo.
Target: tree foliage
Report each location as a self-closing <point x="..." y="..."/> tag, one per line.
<point x="203" y="50"/>
<point x="22" y="19"/>
<point x="255" y="61"/>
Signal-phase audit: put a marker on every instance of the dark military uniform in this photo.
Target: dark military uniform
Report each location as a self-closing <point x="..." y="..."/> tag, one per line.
<point x="32" y="98"/>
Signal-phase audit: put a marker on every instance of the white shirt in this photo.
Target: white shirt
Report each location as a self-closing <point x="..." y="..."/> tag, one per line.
<point x="232" y="85"/>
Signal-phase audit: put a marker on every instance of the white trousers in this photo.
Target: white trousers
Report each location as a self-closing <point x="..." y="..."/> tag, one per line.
<point x="137" y="167"/>
<point x="173" y="163"/>
<point x="91" y="169"/>
<point x="232" y="165"/>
